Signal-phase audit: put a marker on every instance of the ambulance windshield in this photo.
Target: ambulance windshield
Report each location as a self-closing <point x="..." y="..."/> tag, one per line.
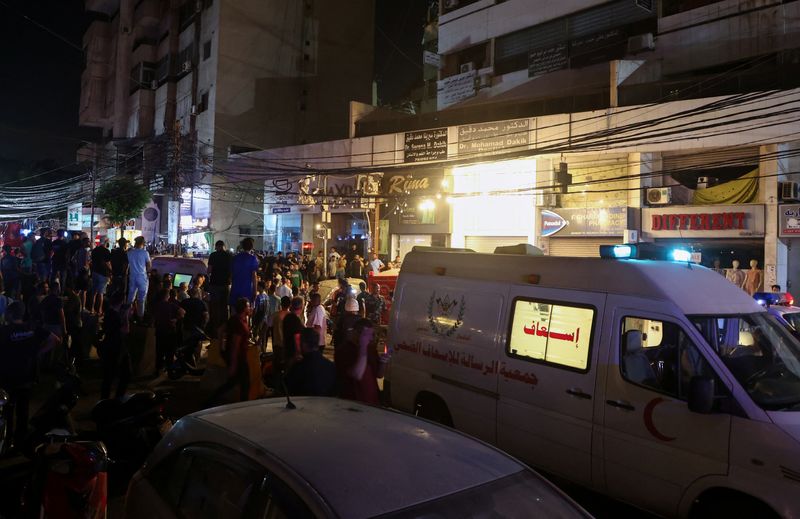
<point x="761" y="353"/>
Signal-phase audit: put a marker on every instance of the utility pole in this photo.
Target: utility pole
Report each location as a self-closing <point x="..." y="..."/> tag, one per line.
<point x="176" y="190"/>
<point x="91" y="217"/>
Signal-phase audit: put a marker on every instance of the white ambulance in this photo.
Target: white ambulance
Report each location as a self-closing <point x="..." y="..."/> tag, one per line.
<point x="655" y="382"/>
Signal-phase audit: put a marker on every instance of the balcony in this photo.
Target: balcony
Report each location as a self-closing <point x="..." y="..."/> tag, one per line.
<point x="147" y="14"/>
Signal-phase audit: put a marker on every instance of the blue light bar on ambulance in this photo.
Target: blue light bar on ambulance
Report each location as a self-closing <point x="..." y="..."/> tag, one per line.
<point x="626" y="251"/>
<point x="680" y="255"/>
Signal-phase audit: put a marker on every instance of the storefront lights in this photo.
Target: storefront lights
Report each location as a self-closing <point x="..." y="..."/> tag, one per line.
<point x="427" y="205"/>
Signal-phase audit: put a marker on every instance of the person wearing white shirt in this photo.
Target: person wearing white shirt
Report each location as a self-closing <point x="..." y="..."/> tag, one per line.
<point x="285" y="289"/>
<point x="317" y="319"/>
<point x="376" y="264"/>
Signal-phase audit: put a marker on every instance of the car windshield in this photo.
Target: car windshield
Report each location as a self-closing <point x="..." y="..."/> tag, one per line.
<point x="521" y="495"/>
<point x="793" y="318"/>
<point x="760" y="352"/>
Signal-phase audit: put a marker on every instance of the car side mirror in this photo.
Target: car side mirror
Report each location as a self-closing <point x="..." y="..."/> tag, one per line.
<point x="701" y="395"/>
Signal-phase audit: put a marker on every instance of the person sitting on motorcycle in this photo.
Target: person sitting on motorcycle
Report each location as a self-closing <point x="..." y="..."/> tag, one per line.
<point x="20" y="347"/>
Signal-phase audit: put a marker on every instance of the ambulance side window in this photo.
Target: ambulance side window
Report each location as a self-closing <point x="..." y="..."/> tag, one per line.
<point x="553" y="333"/>
<point x="659" y="355"/>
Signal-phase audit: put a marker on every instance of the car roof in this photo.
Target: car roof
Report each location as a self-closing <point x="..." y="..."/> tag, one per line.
<point x="694" y="289"/>
<point x="391" y="460"/>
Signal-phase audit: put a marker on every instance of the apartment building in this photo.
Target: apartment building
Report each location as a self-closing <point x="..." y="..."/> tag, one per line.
<point x="178" y="86"/>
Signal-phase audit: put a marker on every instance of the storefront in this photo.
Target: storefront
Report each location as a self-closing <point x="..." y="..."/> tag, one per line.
<point x="415" y="210"/>
<point x="723" y="233"/>
<point x="493" y="205"/>
<point x="579" y="232"/>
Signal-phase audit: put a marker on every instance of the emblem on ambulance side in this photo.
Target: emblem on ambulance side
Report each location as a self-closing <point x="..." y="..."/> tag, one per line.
<point x="440" y="310"/>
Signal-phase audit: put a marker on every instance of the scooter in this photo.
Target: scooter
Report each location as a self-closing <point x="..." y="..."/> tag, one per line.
<point x="54" y="414"/>
<point x="69" y="479"/>
<point x="186" y="355"/>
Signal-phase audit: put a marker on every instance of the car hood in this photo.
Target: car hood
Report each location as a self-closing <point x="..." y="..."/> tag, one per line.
<point x="788" y="421"/>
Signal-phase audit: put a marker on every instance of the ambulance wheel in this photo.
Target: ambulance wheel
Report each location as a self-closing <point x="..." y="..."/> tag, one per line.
<point x="728" y="503"/>
<point x="432" y="408"/>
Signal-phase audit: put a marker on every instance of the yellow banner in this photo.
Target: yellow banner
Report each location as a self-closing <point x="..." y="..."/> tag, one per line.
<point x="740" y="191"/>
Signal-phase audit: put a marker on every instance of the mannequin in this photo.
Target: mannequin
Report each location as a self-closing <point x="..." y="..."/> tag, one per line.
<point x="717" y="268"/>
<point x="736" y="276"/>
<point x="753" y="278"/>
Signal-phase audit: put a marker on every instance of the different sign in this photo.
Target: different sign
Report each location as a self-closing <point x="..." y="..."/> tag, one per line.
<point x="74" y="212"/>
<point x="489" y="137"/>
<point x="789" y="221"/>
<point x="716" y="221"/>
<point x="425" y="145"/>
<point x="585" y="221"/>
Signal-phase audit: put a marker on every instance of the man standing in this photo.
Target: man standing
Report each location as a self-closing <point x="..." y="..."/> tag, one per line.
<point x="374" y="304"/>
<point x="244" y="274"/>
<point x="27" y="252"/>
<point x="101" y="272"/>
<point x="333" y="261"/>
<point x="292" y="328"/>
<point x="59" y="260"/>
<point x="10" y="270"/>
<point x="317" y="319"/>
<point x="285" y="288"/>
<point x="376" y="265"/>
<point x="113" y="349"/>
<point x="166" y="314"/>
<point x="40" y="254"/>
<point x="358" y="364"/>
<point x="20" y="345"/>
<point x="219" y="284"/>
<point x="138" y="265"/>
<point x="119" y="266"/>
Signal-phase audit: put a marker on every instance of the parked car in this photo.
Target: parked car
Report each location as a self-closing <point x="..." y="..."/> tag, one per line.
<point x="781" y="305"/>
<point x="332" y="458"/>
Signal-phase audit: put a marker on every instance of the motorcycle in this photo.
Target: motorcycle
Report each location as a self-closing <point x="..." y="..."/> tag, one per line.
<point x="186" y="355"/>
<point x="54" y="414"/>
<point x="5" y="409"/>
<point x="130" y="428"/>
<point x="69" y="479"/>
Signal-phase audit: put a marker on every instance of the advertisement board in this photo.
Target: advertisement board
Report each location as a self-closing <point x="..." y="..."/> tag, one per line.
<point x="173" y="216"/>
<point x="74" y="221"/>
<point x="789" y="221"/>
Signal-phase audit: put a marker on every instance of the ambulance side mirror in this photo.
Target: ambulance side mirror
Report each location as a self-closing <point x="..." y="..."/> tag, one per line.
<point x="701" y="395"/>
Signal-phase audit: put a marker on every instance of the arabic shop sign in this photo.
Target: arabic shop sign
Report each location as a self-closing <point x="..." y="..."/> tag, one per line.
<point x="474" y="139"/>
<point x="553" y="333"/>
<point x="789" y="221"/>
<point x="425" y="145"/>
<point x="585" y="221"/>
<point x="704" y="221"/>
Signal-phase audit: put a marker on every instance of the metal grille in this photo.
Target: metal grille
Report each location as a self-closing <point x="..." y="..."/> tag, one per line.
<point x="580" y="247"/>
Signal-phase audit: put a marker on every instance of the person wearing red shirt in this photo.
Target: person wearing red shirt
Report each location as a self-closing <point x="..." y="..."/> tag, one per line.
<point x="358" y="364"/>
<point x="237" y="338"/>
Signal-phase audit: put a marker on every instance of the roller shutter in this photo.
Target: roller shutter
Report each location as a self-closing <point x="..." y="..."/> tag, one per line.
<point x="580" y="247"/>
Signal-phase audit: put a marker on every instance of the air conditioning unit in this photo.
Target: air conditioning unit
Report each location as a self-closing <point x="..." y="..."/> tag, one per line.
<point x="789" y="191"/>
<point x="186" y="66"/>
<point x="466" y="67"/>
<point x="484" y="81"/>
<point x="547" y="200"/>
<point x="641" y="43"/>
<point x="659" y="195"/>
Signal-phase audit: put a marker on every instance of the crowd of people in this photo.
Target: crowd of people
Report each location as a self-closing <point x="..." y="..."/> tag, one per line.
<point x="52" y="288"/>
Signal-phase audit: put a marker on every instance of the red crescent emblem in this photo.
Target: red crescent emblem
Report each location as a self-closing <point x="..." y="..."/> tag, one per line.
<point x="648" y="420"/>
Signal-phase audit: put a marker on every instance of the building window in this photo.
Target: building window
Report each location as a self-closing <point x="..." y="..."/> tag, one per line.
<point x="553" y="333"/>
<point x="206" y="50"/>
<point x="143" y="75"/>
<point x="203" y="106"/>
<point x="186" y="13"/>
<point x="472" y="58"/>
<point x="163" y="68"/>
<point x="185" y="60"/>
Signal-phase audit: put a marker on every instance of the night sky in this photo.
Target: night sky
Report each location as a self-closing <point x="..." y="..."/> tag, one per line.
<point x="40" y="73"/>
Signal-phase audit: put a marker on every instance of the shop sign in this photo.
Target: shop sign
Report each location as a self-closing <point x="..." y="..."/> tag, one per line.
<point x="789" y="221"/>
<point x="488" y="137"/>
<point x="548" y="59"/>
<point x="425" y="145"/>
<point x="74" y="212"/>
<point x="281" y="210"/>
<point x="150" y="219"/>
<point x="431" y="58"/>
<point x="704" y="221"/>
<point x="412" y="184"/>
<point x="173" y="217"/>
<point x="584" y="221"/>
<point x="456" y="88"/>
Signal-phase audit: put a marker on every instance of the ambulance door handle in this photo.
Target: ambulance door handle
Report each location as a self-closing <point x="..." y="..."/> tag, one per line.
<point x="578" y="392"/>
<point x="622" y="404"/>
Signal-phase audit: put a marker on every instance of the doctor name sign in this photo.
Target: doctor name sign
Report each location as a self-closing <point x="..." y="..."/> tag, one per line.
<point x="704" y="221"/>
